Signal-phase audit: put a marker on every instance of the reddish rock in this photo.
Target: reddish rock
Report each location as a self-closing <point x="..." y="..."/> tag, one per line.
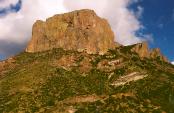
<point x="141" y="49"/>
<point x="156" y="53"/>
<point x="78" y="30"/>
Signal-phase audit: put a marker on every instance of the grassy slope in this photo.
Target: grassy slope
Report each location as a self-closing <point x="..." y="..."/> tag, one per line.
<point x="37" y="85"/>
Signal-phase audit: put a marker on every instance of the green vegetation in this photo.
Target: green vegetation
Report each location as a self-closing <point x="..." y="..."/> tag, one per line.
<point x="36" y="84"/>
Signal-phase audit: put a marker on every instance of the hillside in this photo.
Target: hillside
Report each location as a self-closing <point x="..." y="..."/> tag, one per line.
<point x="82" y="70"/>
<point x="65" y="81"/>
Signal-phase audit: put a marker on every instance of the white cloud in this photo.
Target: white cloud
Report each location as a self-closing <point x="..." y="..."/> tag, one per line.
<point x="16" y="27"/>
<point x="172" y="62"/>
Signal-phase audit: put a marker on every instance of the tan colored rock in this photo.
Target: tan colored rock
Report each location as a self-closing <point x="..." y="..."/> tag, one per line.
<point x="2" y="64"/>
<point x="66" y="61"/>
<point x="6" y="64"/>
<point x="156" y="53"/>
<point x="141" y="49"/>
<point x="85" y="65"/>
<point x="108" y="66"/>
<point x="117" y="45"/>
<point x="78" y="30"/>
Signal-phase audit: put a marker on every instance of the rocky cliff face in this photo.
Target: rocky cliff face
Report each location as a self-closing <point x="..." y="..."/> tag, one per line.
<point x="78" y="30"/>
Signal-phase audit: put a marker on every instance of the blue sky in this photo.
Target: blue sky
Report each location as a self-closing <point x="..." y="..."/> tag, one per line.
<point x="155" y="21"/>
<point x="158" y="19"/>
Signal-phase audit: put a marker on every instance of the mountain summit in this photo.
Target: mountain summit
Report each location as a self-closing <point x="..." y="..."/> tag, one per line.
<point x="78" y="30"/>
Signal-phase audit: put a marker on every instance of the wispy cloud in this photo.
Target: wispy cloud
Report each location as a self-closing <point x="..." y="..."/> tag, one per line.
<point x="139" y="12"/>
<point x="148" y="37"/>
<point x="161" y="26"/>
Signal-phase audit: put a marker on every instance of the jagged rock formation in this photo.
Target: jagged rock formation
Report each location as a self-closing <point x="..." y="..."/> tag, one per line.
<point x="156" y="53"/>
<point x="143" y="51"/>
<point x="78" y="30"/>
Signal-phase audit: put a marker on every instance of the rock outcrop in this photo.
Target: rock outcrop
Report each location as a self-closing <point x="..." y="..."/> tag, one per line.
<point x="78" y="30"/>
<point x="6" y="64"/>
<point x="141" y="49"/>
<point x="156" y="53"/>
<point x="144" y="52"/>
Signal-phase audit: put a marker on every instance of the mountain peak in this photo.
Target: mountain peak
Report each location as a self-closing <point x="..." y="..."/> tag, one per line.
<point x="125" y="79"/>
<point x="80" y="30"/>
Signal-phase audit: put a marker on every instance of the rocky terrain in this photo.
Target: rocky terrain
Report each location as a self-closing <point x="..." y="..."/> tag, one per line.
<point x="79" y="30"/>
<point x="73" y="65"/>
<point x="143" y="51"/>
